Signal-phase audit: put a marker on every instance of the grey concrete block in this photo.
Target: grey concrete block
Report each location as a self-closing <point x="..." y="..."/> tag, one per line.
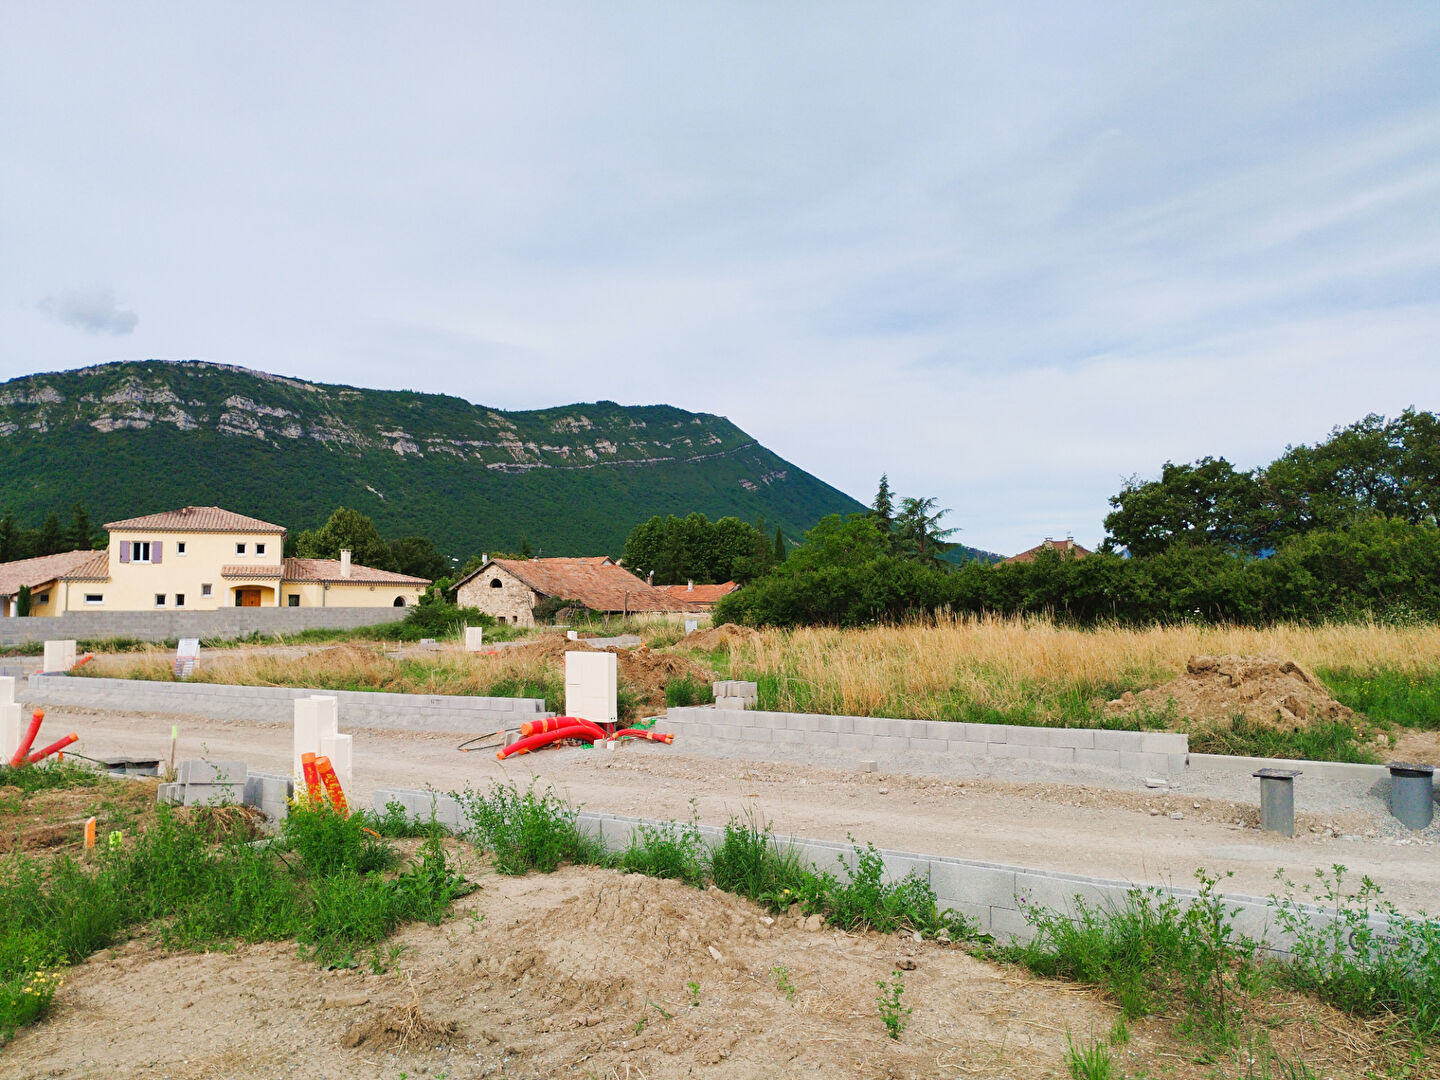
<point x="214" y="794"/>
<point x="841" y="725"/>
<point x="1053" y="755"/>
<point x="1008" y="923"/>
<point x="1144" y="764"/>
<point x="1028" y="736"/>
<point x="731" y="703"/>
<point x="979" y="914"/>
<point x="930" y="746"/>
<point x="865" y="725"/>
<point x="986" y="733"/>
<point x="962" y="882"/>
<point x="1008" y="750"/>
<point x="856" y="741"/>
<point x="969" y="749"/>
<point x="756" y="734"/>
<point x="1163" y="742"/>
<point x="786" y="735"/>
<point x="1076" y="738"/>
<point x="898" y="866"/>
<point x="170" y="793"/>
<point x="821" y="738"/>
<point x="1128" y="741"/>
<point x="1103" y="759"/>
<point x="200" y="771"/>
<point x="1058" y="892"/>
<point x="897" y="744"/>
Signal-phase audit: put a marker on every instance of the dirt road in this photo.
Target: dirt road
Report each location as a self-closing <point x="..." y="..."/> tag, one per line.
<point x="1125" y="835"/>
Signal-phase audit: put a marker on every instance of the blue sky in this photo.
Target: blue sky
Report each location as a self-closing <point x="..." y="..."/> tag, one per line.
<point x="1009" y="253"/>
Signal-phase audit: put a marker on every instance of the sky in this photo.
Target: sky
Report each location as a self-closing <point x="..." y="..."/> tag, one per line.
<point x="1010" y="254"/>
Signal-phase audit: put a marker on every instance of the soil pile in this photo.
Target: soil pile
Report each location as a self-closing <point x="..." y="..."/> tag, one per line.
<point x="725" y="636"/>
<point x="1264" y="689"/>
<point x="646" y="672"/>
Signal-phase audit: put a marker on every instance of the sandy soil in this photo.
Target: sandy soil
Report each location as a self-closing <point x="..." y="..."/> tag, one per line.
<point x="587" y="973"/>
<point x="1127" y="835"/>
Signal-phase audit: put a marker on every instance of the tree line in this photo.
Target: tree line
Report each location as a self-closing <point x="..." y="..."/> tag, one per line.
<point x="1343" y="529"/>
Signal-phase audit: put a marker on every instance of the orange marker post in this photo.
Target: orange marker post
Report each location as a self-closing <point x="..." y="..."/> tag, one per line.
<point x="89" y="833"/>
<point x="332" y="785"/>
<point x="54" y="748"/>
<point x="312" y="777"/>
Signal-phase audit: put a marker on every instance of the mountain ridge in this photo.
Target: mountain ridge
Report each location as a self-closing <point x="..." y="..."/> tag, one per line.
<point x="135" y="436"/>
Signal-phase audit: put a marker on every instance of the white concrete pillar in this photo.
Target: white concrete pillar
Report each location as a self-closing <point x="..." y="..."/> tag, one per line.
<point x="339" y="749"/>
<point x="9" y="731"/>
<point x="59" y="656"/>
<point x="590" y="686"/>
<point x="474" y="637"/>
<point x="7" y="689"/>
<point x="307" y="734"/>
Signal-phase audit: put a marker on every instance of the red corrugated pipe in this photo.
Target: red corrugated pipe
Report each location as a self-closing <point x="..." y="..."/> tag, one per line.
<point x="641" y="733"/>
<point x="36" y="719"/>
<point x="582" y="730"/>
<point x="53" y="748"/>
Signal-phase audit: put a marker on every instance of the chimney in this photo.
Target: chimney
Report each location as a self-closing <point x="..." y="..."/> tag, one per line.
<point x="690" y="586"/>
<point x="345" y="563"/>
<point x="484" y="557"/>
<point x="650" y="578"/>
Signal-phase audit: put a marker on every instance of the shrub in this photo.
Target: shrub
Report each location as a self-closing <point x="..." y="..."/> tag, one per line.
<point x="524" y="832"/>
<point x="687" y="690"/>
<point x="666" y="851"/>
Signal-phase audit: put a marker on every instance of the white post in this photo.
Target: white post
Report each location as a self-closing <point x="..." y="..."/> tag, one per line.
<point x="59" y="656"/>
<point x="590" y="686"/>
<point x="339" y="749"/>
<point x="307" y="734"/>
<point x="474" y="636"/>
<point x="9" y="719"/>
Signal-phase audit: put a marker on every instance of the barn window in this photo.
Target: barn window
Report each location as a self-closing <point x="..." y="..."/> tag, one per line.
<point x="496" y="583"/>
<point x="399" y="601"/>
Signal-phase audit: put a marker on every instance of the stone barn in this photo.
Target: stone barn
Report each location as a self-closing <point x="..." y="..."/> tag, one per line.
<point x="509" y="589"/>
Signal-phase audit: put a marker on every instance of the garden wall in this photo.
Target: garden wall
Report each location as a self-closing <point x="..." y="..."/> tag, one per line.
<point x="227" y="622"/>
<point x="275" y="704"/>
<point x="1143" y="753"/>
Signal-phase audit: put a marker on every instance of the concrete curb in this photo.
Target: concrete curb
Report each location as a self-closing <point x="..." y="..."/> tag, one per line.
<point x="995" y="895"/>
<point x="1311" y="770"/>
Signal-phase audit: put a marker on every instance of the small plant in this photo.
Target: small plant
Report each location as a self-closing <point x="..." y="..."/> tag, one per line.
<point x="667" y="851"/>
<point x="526" y="831"/>
<point x="1119" y="1031"/>
<point x="782" y="981"/>
<point x="639" y="1025"/>
<point x="694" y="988"/>
<point x="687" y="690"/>
<point x="892" y="1013"/>
<point x="1089" y="1062"/>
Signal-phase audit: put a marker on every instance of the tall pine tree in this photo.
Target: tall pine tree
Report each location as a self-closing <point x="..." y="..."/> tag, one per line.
<point x="52" y="536"/>
<point x="80" y="537"/>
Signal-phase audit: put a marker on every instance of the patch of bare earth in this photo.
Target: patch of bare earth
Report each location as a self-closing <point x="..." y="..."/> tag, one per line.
<point x="588" y="973"/>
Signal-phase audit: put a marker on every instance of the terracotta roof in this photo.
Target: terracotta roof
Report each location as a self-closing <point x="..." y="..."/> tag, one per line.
<point x="704" y="595"/>
<point x="254" y="570"/>
<point x="198" y="519"/>
<point x="1064" y="547"/>
<point x="598" y="584"/>
<point x="46" y="568"/>
<point x="95" y="568"/>
<point x="328" y="571"/>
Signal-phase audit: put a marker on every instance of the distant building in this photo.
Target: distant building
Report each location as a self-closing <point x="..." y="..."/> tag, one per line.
<point x="198" y="558"/>
<point x="698" y="598"/>
<point x="1068" y="546"/>
<point x="509" y="589"/>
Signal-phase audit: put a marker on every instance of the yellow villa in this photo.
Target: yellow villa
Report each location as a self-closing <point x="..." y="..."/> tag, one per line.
<point x="200" y="558"/>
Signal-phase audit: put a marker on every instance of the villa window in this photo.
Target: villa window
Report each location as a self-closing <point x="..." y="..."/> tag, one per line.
<point x="180" y="547"/>
<point x="204" y="590"/>
<point x="239" y="549"/>
<point x="293" y="600"/>
<point x="259" y="549"/>
<point x="179" y="599"/>
<point x="140" y="551"/>
<point x="496" y="583"/>
<point x="94" y="598"/>
<point x="159" y="599"/>
<point x="43" y="598"/>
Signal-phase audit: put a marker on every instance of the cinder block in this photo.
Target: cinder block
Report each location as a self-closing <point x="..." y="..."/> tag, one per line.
<point x="866" y="725"/>
<point x="961" y="882"/>
<point x="1163" y="742"/>
<point x="1058" y="893"/>
<point x="1128" y="741"/>
<point x="200" y="771"/>
<point x="1009" y="750"/>
<point x="736" y="703"/>
<point x="821" y="738"/>
<point x="170" y="793"/>
<point x="340" y="750"/>
<point x="986" y="733"/>
<point x="1053" y="755"/>
<point x="1077" y="738"/>
<point x="802" y="722"/>
<point x="930" y="746"/>
<point x="1028" y="736"/>
<point x="1177" y="763"/>
<point x="9" y="731"/>
<point x="979" y="914"/>
<point x="847" y="741"/>
<point x="786" y="735"/>
<point x="898" y="867"/>
<point x="968" y="748"/>
<point x="7" y="689"/>
<point x="890" y="743"/>
<point x="214" y="794"/>
<point x="1008" y="923"/>
<point x="1144" y="764"/>
<point x="755" y="734"/>
<point x="1103" y="759"/>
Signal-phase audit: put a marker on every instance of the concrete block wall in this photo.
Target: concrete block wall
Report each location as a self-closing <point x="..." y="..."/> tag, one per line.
<point x="1143" y="753"/>
<point x="994" y="895"/>
<point x="227" y="622"/>
<point x="275" y="704"/>
<point x="199" y="782"/>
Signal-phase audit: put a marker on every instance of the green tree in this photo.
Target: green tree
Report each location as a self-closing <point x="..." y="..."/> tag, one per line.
<point x="884" y="505"/>
<point x="779" y="552"/>
<point x="22" y="601"/>
<point x="80" y="538"/>
<point x="9" y="539"/>
<point x="1205" y="502"/>
<point x="417" y="556"/>
<point x="52" y="537"/>
<point x="918" y="532"/>
<point x="694" y="548"/>
<point x="349" y="530"/>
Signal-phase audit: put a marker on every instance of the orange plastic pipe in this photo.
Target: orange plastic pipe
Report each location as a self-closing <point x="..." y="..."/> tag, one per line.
<point x="534" y="742"/>
<point x="312" y="776"/>
<point x="83" y="660"/>
<point x="53" y="748"/>
<point x="36" y="719"/>
<point x="550" y="723"/>
<point x="332" y="785"/>
<point x="641" y="733"/>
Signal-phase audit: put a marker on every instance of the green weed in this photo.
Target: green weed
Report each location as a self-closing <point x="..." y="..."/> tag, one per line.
<point x="666" y="851"/>
<point x="1325" y="741"/>
<point x="49" y="775"/>
<point x="1089" y="1062"/>
<point x="686" y="690"/>
<point x="782" y="981"/>
<point x="1387" y="695"/>
<point x="892" y="1013"/>
<point x="525" y="831"/>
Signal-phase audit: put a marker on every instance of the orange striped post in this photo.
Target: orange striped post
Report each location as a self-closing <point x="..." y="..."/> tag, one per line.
<point x="312" y="776"/>
<point x="36" y="719"/>
<point x="89" y="833"/>
<point x="332" y="784"/>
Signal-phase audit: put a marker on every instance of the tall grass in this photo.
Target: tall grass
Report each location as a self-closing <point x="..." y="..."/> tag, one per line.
<point x="1035" y="671"/>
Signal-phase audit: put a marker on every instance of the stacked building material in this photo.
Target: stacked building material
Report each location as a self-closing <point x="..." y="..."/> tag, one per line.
<point x="734" y="694"/>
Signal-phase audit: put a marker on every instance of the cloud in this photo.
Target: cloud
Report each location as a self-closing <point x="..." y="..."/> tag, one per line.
<point x="94" y="311"/>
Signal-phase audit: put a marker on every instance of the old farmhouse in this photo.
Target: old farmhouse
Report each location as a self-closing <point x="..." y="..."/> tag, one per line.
<point x="509" y="589"/>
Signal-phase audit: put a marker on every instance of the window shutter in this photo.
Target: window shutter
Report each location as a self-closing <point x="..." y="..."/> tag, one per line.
<point x="155" y="551"/>
<point x="124" y="550"/>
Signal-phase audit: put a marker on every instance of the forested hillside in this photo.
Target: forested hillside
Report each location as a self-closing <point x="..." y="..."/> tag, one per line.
<point x="133" y="438"/>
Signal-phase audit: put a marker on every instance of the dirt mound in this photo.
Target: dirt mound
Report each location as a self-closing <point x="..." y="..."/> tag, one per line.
<point x="400" y="1028"/>
<point x="1264" y="689"/>
<point x="646" y="672"/>
<point x="724" y="636"/>
<point x="549" y="647"/>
